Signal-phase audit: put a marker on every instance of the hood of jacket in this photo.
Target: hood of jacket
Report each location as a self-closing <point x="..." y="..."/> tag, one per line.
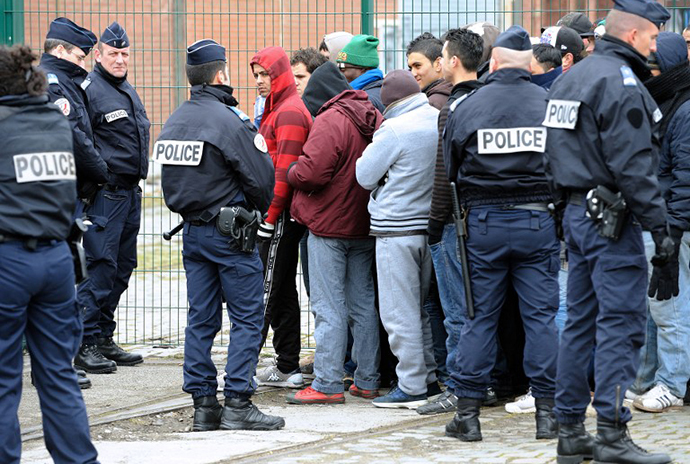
<point x="276" y="62"/>
<point x="325" y="83"/>
<point x="405" y="105"/>
<point x="356" y="106"/>
<point x="438" y="87"/>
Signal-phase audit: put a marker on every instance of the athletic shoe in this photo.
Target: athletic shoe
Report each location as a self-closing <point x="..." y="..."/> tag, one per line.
<point x="311" y="396"/>
<point x="271" y="376"/>
<point x="396" y="398"/>
<point x="658" y="399"/>
<point x="490" y="398"/>
<point x="360" y="392"/>
<point x="447" y="402"/>
<point x="522" y="405"/>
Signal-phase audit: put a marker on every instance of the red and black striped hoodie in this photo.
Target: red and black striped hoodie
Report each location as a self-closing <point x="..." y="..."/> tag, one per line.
<point x="285" y="123"/>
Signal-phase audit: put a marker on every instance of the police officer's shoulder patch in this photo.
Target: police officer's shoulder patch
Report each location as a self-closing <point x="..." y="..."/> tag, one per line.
<point x="52" y="79"/>
<point x="86" y="83"/>
<point x="260" y="143"/>
<point x="628" y="77"/>
<point x="64" y="105"/>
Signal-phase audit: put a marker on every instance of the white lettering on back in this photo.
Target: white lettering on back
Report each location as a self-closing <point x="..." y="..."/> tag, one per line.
<point x="38" y="167"/>
<point x="562" y="114"/>
<point x="511" y="140"/>
<point x="180" y="153"/>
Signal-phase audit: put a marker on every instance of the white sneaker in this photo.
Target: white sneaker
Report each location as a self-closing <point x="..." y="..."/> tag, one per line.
<point x="658" y="399"/>
<point x="271" y="376"/>
<point x="522" y="405"/>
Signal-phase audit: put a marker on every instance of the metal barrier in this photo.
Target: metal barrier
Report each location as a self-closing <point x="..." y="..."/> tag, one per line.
<point x="153" y="310"/>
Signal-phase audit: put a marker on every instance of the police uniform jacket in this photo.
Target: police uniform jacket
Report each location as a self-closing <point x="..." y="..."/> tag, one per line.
<point x="38" y="189"/>
<point x="493" y="142"/>
<point x="120" y="126"/>
<point x="212" y="157"/>
<point x="64" y="89"/>
<point x="601" y="122"/>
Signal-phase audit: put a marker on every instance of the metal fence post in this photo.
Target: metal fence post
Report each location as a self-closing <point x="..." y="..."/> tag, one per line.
<point x="368" y="17"/>
<point x="12" y="22"/>
<point x="179" y="50"/>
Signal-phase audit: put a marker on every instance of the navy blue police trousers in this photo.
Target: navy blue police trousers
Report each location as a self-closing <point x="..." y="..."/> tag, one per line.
<point x="517" y="246"/>
<point x="37" y="302"/>
<point x="111" y="255"/>
<point x="215" y="266"/>
<point x="607" y="303"/>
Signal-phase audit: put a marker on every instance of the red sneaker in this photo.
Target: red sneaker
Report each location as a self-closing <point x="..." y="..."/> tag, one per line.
<point x="368" y="394"/>
<point x="311" y="396"/>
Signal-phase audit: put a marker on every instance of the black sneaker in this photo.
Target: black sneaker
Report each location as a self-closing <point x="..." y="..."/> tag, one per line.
<point x="241" y="414"/>
<point x="112" y="351"/>
<point x="490" y="399"/>
<point x="92" y="361"/>
<point x="447" y="402"/>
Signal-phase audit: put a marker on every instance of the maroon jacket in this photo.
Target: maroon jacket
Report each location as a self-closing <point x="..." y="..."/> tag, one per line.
<point x="327" y="198"/>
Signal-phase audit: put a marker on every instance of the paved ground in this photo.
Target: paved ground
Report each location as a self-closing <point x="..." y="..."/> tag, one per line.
<point x="355" y="432"/>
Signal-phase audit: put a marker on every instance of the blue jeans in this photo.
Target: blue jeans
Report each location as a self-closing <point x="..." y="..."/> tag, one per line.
<point x="451" y="292"/>
<point x="342" y="294"/>
<point x="665" y="357"/>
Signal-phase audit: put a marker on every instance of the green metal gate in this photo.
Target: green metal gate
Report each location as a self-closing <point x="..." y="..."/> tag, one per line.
<point x="153" y="310"/>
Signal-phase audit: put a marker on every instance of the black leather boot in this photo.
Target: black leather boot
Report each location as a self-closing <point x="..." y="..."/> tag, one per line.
<point x="241" y="414"/>
<point x="574" y="444"/>
<point x="207" y="412"/>
<point x="112" y="351"/>
<point x="547" y="427"/>
<point x="82" y="380"/>
<point x="465" y="425"/>
<point x="92" y="361"/>
<point x="614" y="445"/>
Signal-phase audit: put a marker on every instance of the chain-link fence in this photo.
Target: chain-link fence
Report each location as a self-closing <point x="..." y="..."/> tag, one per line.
<point x="154" y="308"/>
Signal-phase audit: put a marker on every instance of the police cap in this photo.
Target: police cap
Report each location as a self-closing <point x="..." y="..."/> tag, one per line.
<point x="66" y="30"/>
<point x="515" y="38"/>
<point x="205" y="51"/>
<point x="115" y="36"/>
<point x="650" y="10"/>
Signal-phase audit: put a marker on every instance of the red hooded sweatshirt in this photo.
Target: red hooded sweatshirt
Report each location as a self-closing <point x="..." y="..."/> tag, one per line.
<point x="285" y="123"/>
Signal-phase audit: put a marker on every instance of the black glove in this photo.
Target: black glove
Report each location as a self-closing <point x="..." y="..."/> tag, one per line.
<point x="664" y="281"/>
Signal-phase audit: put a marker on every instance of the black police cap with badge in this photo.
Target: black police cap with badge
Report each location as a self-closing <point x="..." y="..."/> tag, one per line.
<point x="115" y="36"/>
<point x="650" y="10"/>
<point x="205" y="51"/>
<point x="514" y="38"/>
<point x="68" y="31"/>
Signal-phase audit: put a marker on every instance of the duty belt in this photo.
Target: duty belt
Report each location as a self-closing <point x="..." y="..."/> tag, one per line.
<point x="577" y="197"/>
<point x="30" y="243"/>
<point x="543" y="207"/>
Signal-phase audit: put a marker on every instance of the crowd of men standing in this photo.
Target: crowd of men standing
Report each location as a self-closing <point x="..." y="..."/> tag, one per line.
<point x="430" y="209"/>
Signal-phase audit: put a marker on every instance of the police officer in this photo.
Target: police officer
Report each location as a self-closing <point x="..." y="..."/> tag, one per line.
<point x="66" y="48"/>
<point x="493" y="146"/>
<point x="601" y="123"/>
<point x="121" y="134"/>
<point x="37" y="199"/>
<point x="213" y="158"/>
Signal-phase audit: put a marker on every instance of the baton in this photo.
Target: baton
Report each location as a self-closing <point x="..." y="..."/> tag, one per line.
<point x="461" y="251"/>
<point x="169" y="234"/>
